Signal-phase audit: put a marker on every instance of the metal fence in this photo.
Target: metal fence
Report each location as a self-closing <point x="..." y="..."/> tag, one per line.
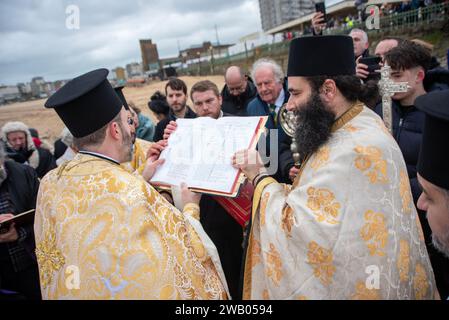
<point x="393" y="22"/>
<point x="403" y="20"/>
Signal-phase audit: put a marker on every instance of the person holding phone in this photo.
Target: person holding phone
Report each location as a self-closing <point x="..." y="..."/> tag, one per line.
<point x="359" y="37"/>
<point x="319" y="19"/>
<point x="363" y="68"/>
<point x="18" y="266"/>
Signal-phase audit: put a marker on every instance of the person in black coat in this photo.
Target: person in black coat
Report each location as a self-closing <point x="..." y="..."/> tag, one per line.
<point x="18" y="266"/>
<point x="409" y="63"/>
<point x="176" y="92"/>
<point x="237" y="92"/>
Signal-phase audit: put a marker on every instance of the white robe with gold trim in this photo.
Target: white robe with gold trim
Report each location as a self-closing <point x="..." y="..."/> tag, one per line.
<point x="348" y="228"/>
<point x="113" y="232"/>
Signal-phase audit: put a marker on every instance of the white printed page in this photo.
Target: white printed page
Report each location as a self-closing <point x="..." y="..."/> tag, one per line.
<point x="199" y="152"/>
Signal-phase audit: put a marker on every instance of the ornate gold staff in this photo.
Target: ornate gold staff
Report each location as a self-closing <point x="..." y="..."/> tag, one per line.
<point x="288" y="121"/>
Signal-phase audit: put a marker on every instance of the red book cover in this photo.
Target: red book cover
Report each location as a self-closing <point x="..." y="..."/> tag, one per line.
<point x="239" y="207"/>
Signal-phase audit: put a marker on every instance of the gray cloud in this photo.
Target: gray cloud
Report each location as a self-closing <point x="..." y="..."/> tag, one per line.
<point x="36" y="42"/>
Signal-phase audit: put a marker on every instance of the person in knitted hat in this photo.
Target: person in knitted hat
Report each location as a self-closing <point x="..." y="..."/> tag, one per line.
<point x="20" y="147"/>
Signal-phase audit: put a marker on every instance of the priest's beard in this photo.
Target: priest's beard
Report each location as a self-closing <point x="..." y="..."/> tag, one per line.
<point x="127" y="145"/>
<point x="441" y="243"/>
<point x="314" y="125"/>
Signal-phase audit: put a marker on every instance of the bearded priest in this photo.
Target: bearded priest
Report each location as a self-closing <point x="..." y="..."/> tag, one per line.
<point x="347" y="227"/>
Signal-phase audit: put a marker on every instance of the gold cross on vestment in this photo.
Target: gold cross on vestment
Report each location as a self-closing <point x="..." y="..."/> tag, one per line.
<point x="387" y="89"/>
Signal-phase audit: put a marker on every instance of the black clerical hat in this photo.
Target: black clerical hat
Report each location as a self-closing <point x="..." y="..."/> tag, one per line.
<point x="433" y="163"/>
<point x="321" y="56"/>
<point x="86" y="103"/>
<point x="120" y="94"/>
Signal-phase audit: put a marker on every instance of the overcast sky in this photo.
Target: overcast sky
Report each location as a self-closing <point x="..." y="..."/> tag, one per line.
<point x="36" y="42"/>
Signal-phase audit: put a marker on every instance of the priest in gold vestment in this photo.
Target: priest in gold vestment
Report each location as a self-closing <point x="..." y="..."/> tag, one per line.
<point x="103" y="233"/>
<point x="347" y="227"/>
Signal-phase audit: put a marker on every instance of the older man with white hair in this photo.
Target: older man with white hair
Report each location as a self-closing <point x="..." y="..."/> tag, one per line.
<point x="272" y="93"/>
<point x="360" y="41"/>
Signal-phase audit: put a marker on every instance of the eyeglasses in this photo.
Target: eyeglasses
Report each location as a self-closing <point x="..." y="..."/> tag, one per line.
<point x="237" y="89"/>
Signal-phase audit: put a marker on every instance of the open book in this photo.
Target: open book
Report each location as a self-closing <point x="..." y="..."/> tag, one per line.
<point x="199" y="153"/>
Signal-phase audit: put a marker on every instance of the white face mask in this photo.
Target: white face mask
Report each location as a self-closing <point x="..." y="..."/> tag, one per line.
<point x="3" y="174"/>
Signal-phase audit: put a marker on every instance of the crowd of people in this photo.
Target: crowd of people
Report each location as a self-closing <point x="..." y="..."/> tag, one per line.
<point x="361" y="196"/>
<point x="349" y="21"/>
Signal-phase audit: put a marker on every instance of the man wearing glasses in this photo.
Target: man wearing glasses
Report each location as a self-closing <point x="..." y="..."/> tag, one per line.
<point x="238" y="91"/>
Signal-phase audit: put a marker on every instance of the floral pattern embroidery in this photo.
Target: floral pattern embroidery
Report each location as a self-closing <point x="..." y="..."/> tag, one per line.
<point x="274" y="265"/>
<point x="49" y="257"/>
<point x="134" y="247"/>
<point x="321" y="158"/>
<point x="363" y="293"/>
<point x="374" y="233"/>
<point x="403" y="262"/>
<point x="288" y="220"/>
<point x="287" y="188"/>
<point x="420" y="283"/>
<point x="404" y="190"/>
<point x="371" y="163"/>
<point x="321" y="260"/>
<point x="322" y="203"/>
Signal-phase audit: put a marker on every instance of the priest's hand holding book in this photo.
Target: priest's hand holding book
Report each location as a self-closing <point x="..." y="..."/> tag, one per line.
<point x="250" y="162"/>
<point x="150" y="167"/>
<point x="153" y="162"/>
